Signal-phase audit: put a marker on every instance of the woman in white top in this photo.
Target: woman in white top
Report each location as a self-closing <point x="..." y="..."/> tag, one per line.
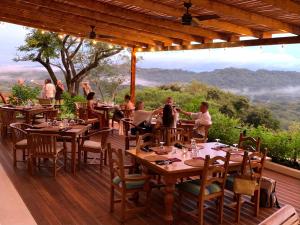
<point x="169" y="117"/>
<point x="49" y="90"/>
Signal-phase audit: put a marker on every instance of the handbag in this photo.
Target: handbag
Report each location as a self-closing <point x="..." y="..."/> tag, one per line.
<point x="245" y="184"/>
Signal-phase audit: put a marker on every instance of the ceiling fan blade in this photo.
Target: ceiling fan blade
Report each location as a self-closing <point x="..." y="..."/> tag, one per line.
<point x="105" y="36"/>
<point x="207" y="17"/>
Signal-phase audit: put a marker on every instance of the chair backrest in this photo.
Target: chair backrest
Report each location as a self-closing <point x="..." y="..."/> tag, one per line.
<point x="52" y="114"/>
<point x="7" y="116"/>
<point x="214" y="172"/>
<point x="19" y="131"/>
<point x="257" y="160"/>
<point x="44" y="101"/>
<point x="126" y="125"/>
<point x="116" y="164"/>
<point x="43" y="145"/>
<point x="174" y="135"/>
<point x="148" y="139"/>
<point x="83" y="114"/>
<point x="249" y="143"/>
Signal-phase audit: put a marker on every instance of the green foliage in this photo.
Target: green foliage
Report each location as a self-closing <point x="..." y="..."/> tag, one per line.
<point x="21" y="94"/>
<point x="68" y="108"/>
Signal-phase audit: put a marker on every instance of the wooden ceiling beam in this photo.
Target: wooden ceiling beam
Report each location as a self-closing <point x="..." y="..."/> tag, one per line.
<point x="136" y="16"/>
<point x="171" y="11"/>
<point x="51" y="21"/>
<point x="231" y="11"/>
<point x="285" y="5"/>
<point x="73" y="21"/>
<point x="161" y="34"/>
<point x="246" y="43"/>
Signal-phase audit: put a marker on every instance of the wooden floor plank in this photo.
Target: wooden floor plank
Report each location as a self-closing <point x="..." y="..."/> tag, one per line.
<point x="84" y="198"/>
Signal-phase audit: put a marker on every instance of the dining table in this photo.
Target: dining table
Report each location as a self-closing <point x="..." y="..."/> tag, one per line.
<point x="106" y="110"/>
<point x="72" y="131"/>
<point x="28" y="112"/>
<point x="181" y="163"/>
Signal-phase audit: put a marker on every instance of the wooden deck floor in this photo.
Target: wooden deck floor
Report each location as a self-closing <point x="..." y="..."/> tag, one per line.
<point x="84" y="198"/>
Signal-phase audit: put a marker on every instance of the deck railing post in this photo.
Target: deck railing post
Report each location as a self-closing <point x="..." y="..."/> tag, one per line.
<point x="133" y="74"/>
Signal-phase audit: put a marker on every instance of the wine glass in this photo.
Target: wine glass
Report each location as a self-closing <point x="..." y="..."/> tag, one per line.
<point x="217" y="140"/>
<point x="235" y="147"/>
<point x="161" y="145"/>
<point x="167" y="163"/>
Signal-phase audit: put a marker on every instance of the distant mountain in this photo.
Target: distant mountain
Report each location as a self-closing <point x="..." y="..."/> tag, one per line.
<point x="263" y="85"/>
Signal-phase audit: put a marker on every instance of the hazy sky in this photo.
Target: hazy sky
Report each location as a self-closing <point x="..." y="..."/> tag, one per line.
<point x="285" y="57"/>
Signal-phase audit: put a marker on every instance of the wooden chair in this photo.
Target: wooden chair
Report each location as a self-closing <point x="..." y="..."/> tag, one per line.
<point x="125" y="184"/>
<point x="126" y="113"/>
<point x="19" y="139"/>
<point x="100" y="146"/>
<point x="51" y="114"/>
<point x="6" y="117"/>
<point x="45" y="101"/>
<point x="287" y="215"/>
<point x="46" y="146"/>
<point x="148" y="139"/>
<point x="257" y="165"/>
<point x="83" y="114"/>
<point x="249" y="143"/>
<point x="172" y="136"/>
<point x="188" y="127"/>
<point x="210" y="187"/>
<point x="126" y="126"/>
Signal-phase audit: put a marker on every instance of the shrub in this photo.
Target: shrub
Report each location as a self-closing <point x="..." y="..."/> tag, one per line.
<point x="68" y="106"/>
<point x="22" y="94"/>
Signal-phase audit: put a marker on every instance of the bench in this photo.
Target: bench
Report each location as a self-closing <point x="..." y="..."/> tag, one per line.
<point x="287" y="215"/>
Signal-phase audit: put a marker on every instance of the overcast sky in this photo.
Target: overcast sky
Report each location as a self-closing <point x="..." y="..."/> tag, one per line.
<point x="285" y="57"/>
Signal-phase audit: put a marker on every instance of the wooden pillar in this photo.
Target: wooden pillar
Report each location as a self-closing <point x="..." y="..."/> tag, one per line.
<point x="133" y="74"/>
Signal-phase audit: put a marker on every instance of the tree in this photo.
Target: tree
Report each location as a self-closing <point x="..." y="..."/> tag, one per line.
<point x="110" y="75"/>
<point x="74" y="57"/>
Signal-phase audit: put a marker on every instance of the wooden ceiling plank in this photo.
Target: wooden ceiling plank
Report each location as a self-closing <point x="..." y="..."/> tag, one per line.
<point x="231" y="11"/>
<point x="285" y="5"/>
<point x="73" y="21"/>
<point x="159" y="33"/>
<point x="171" y="11"/>
<point x="53" y="21"/>
<point x="114" y="10"/>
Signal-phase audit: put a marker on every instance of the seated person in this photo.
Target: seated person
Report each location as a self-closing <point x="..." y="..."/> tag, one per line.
<point x="142" y="118"/>
<point x="92" y="113"/>
<point x="202" y="119"/>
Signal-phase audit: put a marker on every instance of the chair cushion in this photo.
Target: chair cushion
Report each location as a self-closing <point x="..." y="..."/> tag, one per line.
<point x="130" y="184"/>
<point x="193" y="187"/>
<point x="22" y="143"/>
<point x="92" y="144"/>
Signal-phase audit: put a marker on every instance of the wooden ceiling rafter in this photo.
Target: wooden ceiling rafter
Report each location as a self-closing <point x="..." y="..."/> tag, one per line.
<point x="125" y="13"/>
<point x="288" y="6"/>
<point x="43" y="22"/>
<point x="84" y="23"/>
<point x="231" y="11"/>
<point x="232" y="44"/>
<point x="171" y="11"/>
<point x="105" y="18"/>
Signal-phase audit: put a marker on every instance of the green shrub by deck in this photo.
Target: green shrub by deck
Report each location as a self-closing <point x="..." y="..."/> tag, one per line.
<point x="20" y="95"/>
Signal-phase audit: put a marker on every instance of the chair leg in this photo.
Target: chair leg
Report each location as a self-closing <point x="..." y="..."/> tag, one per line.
<point x="15" y="157"/>
<point x="65" y="159"/>
<point x="179" y="203"/>
<point x="79" y="157"/>
<point x="238" y="208"/>
<point x="105" y="157"/>
<point x="54" y="167"/>
<point x="101" y="161"/>
<point x="257" y="197"/>
<point x="23" y="155"/>
<point x="85" y="157"/>
<point x="123" y="207"/>
<point x="112" y="199"/>
<point x="221" y="209"/>
<point x="201" y="213"/>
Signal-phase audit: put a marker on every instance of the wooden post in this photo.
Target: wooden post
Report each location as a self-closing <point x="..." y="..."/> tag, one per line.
<point x="133" y="74"/>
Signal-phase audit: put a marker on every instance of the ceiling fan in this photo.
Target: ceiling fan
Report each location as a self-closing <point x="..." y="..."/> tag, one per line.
<point x="187" y="17"/>
<point x="94" y="35"/>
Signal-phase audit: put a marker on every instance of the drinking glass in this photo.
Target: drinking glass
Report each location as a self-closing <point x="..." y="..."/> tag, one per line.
<point x="235" y="147"/>
<point x="167" y="163"/>
<point x="217" y="140"/>
<point x="162" y="145"/>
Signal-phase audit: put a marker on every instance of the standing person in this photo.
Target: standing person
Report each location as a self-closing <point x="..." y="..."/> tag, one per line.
<point x="86" y="88"/>
<point x="59" y="90"/>
<point x="20" y="82"/>
<point x="49" y="90"/>
<point x="202" y="119"/>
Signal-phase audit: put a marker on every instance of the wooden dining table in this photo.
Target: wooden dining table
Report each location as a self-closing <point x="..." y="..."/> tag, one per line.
<point x="173" y="172"/>
<point x="106" y="110"/>
<point x="73" y="132"/>
<point x="28" y="112"/>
